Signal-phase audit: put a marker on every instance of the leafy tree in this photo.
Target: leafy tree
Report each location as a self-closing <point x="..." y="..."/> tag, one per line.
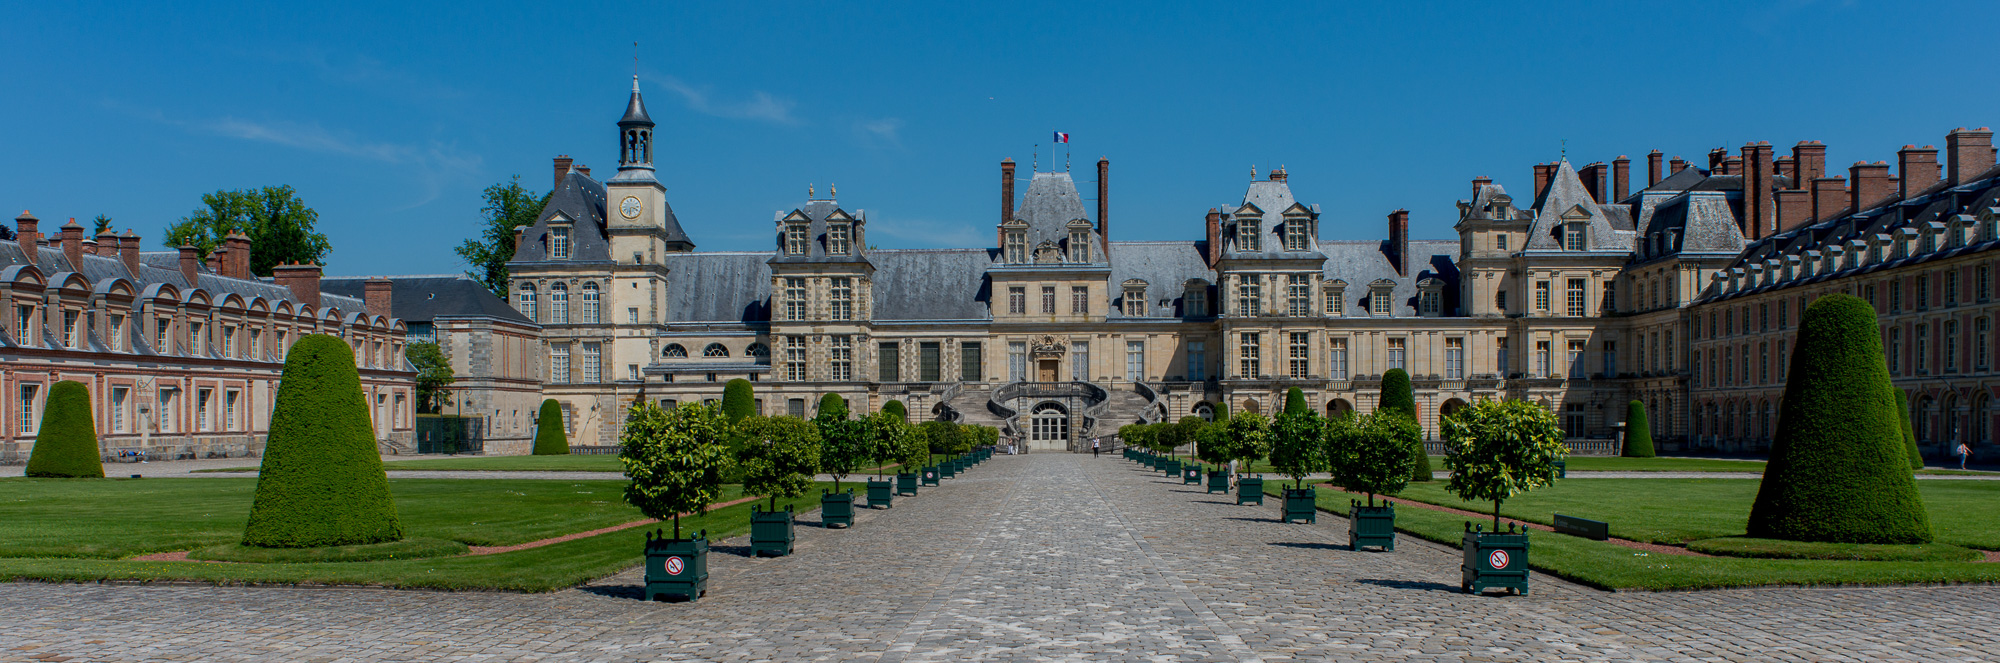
<point x="1909" y="434"/>
<point x="1295" y="401"/>
<point x="915" y="447"/>
<point x="1638" y="432"/>
<point x="780" y="457"/>
<point x="508" y="206"/>
<point x="321" y="481"/>
<point x="980" y="436"/>
<point x="888" y="437"/>
<point x="1396" y="392"/>
<point x="1211" y="443"/>
<point x="1373" y="454"/>
<point x="100" y="225"/>
<point x="1839" y="471"/>
<point x="1295" y="445"/>
<point x="739" y="400"/>
<point x="550" y="440"/>
<point x="279" y="224"/>
<point x="946" y="438"/>
<point x="1496" y="450"/>
<point x="1171" y="436"/>
<point x="674" y="458"/>
<point x="434" y="374"/>
<point x="843" y="444"/>
<point x="66" y="443"/>
<point x="1249" y="436"/>
<point x="896" y="407"/>
<point x="1136" y="435"/>
<point x="7" y="233"/>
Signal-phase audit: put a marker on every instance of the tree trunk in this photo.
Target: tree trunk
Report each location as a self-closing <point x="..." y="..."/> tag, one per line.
<point x="1496" y="515"/>
<point x="677" y="525"/>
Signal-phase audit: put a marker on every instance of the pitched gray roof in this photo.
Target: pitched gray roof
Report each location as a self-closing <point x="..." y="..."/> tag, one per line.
<point x="1049" y="206"/>
<point x="1166" y="267"/>
<point x="414" y="299"/>
<point x="817" y="212"/>
<point x="1362" y="263"/>
<point x="1566" y="195"/>
<point x="580" y="200"/>
<point x="96" y="268"/>
<point x="932" y="284"/>
<point x="1269" y="200"/>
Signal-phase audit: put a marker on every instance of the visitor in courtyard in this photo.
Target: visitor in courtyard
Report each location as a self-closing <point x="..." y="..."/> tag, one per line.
<point x="1964" y="454"/>
<point x="1093" y="447"/>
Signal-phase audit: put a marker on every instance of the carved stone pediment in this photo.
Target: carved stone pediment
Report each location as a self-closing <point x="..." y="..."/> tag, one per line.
<point x="1048" y="346"/>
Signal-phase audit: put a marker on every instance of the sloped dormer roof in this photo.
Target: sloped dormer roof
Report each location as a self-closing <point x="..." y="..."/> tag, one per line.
<point x="1565" y="201"/>
<point x="818" y="215"/>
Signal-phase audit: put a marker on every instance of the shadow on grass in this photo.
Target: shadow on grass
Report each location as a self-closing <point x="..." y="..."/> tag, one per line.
<point x="1411" y="584"/>
<point x="1311" y="546"/>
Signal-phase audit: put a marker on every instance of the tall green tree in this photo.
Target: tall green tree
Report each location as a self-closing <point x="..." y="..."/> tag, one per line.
<point x="779" y="457"/>
<point x="1499" y="449"/>
<point x="550" y="440"/>
<point x="434" y="375"/>
<point x="279" y="224"/>
<point x="508" y="205"/>
<point x="1638" y="431"/>
<point x="66" y="443"/>
<point x="739" y="400"/>
<point x="833" y="403"/>
<point x="674" y="458"/>
<point x="1397" y="396"/>
<point x="1295" y="401"/>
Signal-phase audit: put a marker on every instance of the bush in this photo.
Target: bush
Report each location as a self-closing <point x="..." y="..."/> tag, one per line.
<point x="1374" y="454"/>
<point x="1295" y="401"/>
<point x="1248" y="435"/>
<point x="66" y="444"/>
<point x="1733" y="546"/>
<point x="779" y="457"/>
<point x="1221" y="413"/>
<point x="1839" y="470"/>
<point x="549" y="437"/>
<point x="1496" y="450"/>
<point x="1638" y="431"/>
<point x="843" y="444"/>
<point x="739" y="400"/>
<point x="1396" y="393"/>
<point x="1909" y="434"/>
<point x="834" y="404"/>
<point x="674" y="458"/>
<point x="896" y="407"/>
<point x="889" y="437"/>
<point x="321" y="481"/>
<point x="1420" y="460"/>
<point x="1296" y="447"/>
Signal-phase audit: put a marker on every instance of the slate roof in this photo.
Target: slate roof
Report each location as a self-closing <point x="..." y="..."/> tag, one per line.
<point x="1610" y="226"/>
<point x="722" y="286"/>
<point x="817" y="212"/>
<point x="1166" y="267"/>
<point x="97" y="268"/>
<point x="1698" y="221"/>
<point x="423" y="298"/>
<point x="1361" y="263"/>
<point x="933" y="284"/>
<point x="579" y="200"/>
<point x="1269" y="200"/>
<point x="1049" y="206"/>
<point x="635" y="109"/>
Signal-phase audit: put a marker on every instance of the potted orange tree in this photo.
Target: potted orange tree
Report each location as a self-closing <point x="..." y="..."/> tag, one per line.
<point x="1296" y="452"/>
<point x="1374" y="455"/>
<point x="778" y="458"/>
<point x="843" y="446"/>
<point x="675" y="460"/>
<point x="1496" y="450"/>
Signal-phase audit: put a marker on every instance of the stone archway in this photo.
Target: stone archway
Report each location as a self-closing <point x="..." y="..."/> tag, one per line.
<point x="1048" y="427"/>
<point x="1339" y="407"/>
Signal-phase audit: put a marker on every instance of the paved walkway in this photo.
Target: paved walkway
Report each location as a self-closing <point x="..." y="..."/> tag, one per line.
<point x="1042" y="557"/>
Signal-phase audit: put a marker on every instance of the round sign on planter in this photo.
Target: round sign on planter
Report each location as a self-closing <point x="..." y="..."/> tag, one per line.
<point x="928" y="475"/>
<point x="675" y="566"/>
<point x="1498" y="560"/>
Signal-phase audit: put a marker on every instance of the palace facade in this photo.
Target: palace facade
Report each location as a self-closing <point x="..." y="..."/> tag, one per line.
<point x="1582" y="296"/>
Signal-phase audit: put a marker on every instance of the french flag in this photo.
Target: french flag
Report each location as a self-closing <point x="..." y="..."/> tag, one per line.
<point x="1062" y="137"/>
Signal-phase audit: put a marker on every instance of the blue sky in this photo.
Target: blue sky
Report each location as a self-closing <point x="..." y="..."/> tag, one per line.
<point x="390" y="118"/>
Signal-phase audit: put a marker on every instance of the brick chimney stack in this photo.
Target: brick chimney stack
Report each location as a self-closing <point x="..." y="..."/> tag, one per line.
<point x="1677" y="165"/>
<point x="128" y="252"/>
<point x="1869" y="185"/>
<point x="1968" y="153"/>
<point x="1653" y="174"/>
<point x="239" y="255"/>
<point x="1399" y="241"/>
<point x="1787" y="167"/>
<point x="376" y="293"/>
<point x="27" y="229"/>
<point x="1809" y="157"/>
<point x="1214" y="236"/>
<point x="1718" y="161"/>
<point x="302" y="280"/>
<point x="1829" y="196"/>
<point x="1006" y="200"/>
<point x="217" y="258"/>
<point x="1918" y="168"/>
<point x="107" y="243"/>
<point x="1479" y="183"/>
<point x="1794" y="208"/>
<point x="1759" y="216"/>
<point x="1593" y="177"/>
<point x="562" y="168"/>
<point x="1621" y="178"/>
<point x="1104" y="204"/>
<point x="1543" y="171"/>
<point x="72" y="244"/>
<point x="190" y="264"/>
<point x="583" y="169"/>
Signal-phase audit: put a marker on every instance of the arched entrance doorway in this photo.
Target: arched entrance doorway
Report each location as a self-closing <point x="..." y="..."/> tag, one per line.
<point x="1339" y="407"/>
<point x="1048" y="427"/>
<point x="1205" y="411"/>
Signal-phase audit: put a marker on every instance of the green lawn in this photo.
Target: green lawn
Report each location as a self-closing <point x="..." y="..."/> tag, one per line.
<point x="72" y="527"/>
<point x="561" y="463"/>
<point x="1616" y="464"/>
<point x="1609" y="566"/>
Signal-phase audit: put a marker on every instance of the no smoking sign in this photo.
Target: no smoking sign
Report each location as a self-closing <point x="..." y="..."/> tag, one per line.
<point x="675" y="566"/>
<point x="1498" y="560"/>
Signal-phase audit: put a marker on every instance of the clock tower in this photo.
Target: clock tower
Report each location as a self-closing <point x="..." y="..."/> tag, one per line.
<point x="639" y="219"/>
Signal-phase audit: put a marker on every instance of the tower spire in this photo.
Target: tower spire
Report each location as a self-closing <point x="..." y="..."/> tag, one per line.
<point x="635" y="132"/>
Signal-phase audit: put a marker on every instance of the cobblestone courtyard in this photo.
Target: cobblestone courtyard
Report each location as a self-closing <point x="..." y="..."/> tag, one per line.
<point x="1045" y="557"/>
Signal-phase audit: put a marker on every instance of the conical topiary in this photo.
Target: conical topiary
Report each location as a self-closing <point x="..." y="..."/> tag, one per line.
<point x="66" y="443"/>
<point x="1397" y="396"/>
<point x="550" y="440"/>
<point x="897" y="408"/>
<point x="1221" y="413"/>
<point x="1638" y="431"/>
<point x="1909" y="435"/>
<point x="1838" y="470"/>
<point x="833" y="405"/>
<point x="1295" y="401"/>
<point x="321" y="483"/>
<point x="739" y="400"/>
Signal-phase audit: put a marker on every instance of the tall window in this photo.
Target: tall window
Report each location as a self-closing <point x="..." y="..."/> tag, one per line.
<point x="1295" y="234"/>
<point x="1763" y="317"/>
<point x="527" y="302"/>
<point x="1399" y="353"/>
<point x="1049" y="299"/>
<point x="1500" y="302"/>
<point x="1333" y="304"/>
<point x="70" y="338"/>
<point x="593" y="366"/>
<point x="1017" y="299"/>
<point x="795" y="358"/>
<point x="1923" y="346"/>
<point x="1300" y="361"/>
<point x="1135" y="301"/>
<point x="1249" y="296"/>
<point x="197" y="339"/>
<point x="1135" y="360"/>
<point x="229" y="399"/>
<point x="1247" y="364"/>
<point x="118" y="334"/>
<point x="1017" y="361"/>
<point x="1573" y="299"/>
<point x="971" y="362"/>
<point x="1923" y="291"/>
<point x="559" y="242"/>
<point x="1763" y="363"/>
<point x="559" y="303"/>
<point x="229" y="344"/>
<point x="1197" y="361"/>
<point x="1573" y="235"/>
<point x="204" y="408"/>
<point x="1079" y="361"/>
<point x="1454" y="358"/>
<point x="559" y="363"/>
<point x="1249" y="235"/>
<point x="1784" y="363"/>
<point x="256" y="342"/>
<point x="843" y="298"/>
<point x="1950" y="346"/>
<point x="1981" y="337"/>
<point x="795" y="298"/>
<point x="30" y="398"/>
<point x="1982" y="283"/>
<point x="1541" y="359"/>
<point x="795" y="239"/>
<point x="1951" y="287"/>
<point x="1298" y="295"/>
<point x="1017" y="247"/>
<point x="1575" y="357"/>
<point x="121" y="398"/>
<point x="1079" y="245"/>
<point x="1895" y="351"/>
<point x="1895" y="295"/>
<point x="1500" y="356"/>
<point x="589" y="314"/>
<point x="1079" y="299"/>
<point x="1431" y="302"/>
<point x="837" y="239"/>
<point x="1336" y="358"/>
<point x="889" y="362"/>
<point x="930" y="361"/>
<point x="1541" y="296"/>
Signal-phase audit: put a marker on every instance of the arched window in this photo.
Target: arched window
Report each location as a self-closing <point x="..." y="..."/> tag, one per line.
<point x="715" y="350"/>
<point x="559" y="303"/>
<point x="528" y="304"/>
<point x="589" y="312"/>
<point x="674" y="351"/>
<point x="1338" y="407"/>
<point x="757" y="350"/>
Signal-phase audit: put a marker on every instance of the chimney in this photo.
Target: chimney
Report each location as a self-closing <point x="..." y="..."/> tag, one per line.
<point x="190" y="261"/>
<point x="1829" y="196"/>
<point x="72" y="244"/>
<point x="1653" y="175"/>
<point x="1399" y="241"/>
<point x="1278" y="175"/>
<point x="239" y="255"/>
<point x="1214" y="236"/>
<point x="1478" y="183"/>
<point x="1104" y="204"/>
<point x="1759" y="218"/>
<point x="128" y="252"/>
<point x="1969" y="153"/>
<point x="1788" y="168"/>
<point x="27" y="230"/>
<point x="1918" y="168"/>
<point x="217" y="258"/>
<point x="376" y="293"/>
<point x="1543" y="172"/>
<point x="1621" y="178"/>
<point x="107" y="243"/>
<point x="1716" y="159"/>
<point x="1677" y="165"/>
<point x="1794" y="208"/>
<point x="583" y="169"/>
<point x="90" y="246"/>
<point x="1868" y="185"/>
<point x="302" y="280"/>
<point x="1006" y="200"/>
<point x="1593" y="177"/>
<point x="1809" y="157"/>
<point x="562" y="168"/>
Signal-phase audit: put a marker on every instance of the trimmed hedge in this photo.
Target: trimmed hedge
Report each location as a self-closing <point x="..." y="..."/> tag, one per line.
<point x="1295" y="402"/>
<point x="321" y="483"/>
<point x="897" y="408"/>
<point x="834" y="405"/>
<point x="1638" y="431"/>
<point x="66" y="444"/>
<point x="739" y="400"/>
<point x="550" y="440"/>
<point x="1909" y="434"/>
<point x="1396" y="393"/>
<point x="1838" y="470"/>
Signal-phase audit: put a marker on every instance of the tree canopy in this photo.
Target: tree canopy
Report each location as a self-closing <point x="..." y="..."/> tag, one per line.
<point x="1296" y="450"/>
<point x="779" y="457"/>
<point x="1499" y="449"/>
<point x="434" y="375"/>
<point x="674" y="458"/>
<point x="1374" y="454"/>
<point x="508" y="205"/>
<point x="279" y="224"/>
<point x="321" y="481"/>
<point x="843" y="444"/>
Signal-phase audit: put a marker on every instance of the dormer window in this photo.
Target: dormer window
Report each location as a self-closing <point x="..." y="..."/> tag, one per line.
<point x="1334" y="303"/>
<point x="839" y="240"/>
<point x="1295" y="234"/>
<point x="1079" y="245"/>
<point x="1249" y="235"/>
<point x="1573" y="236"/>
<point x="559" y="243"/>
<point x="795" y="239"/>
<point x="1194" y="303"/>
<point x="1378" y="298"/>
<point x="1017" y="247"/>
<point x="1135" y="298"/>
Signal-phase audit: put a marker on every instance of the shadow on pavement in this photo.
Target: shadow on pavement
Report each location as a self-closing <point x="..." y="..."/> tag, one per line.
<point x="1410" y="584"/>
<point x="1311" y="545"/>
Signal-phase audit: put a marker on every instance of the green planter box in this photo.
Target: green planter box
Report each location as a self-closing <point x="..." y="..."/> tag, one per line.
<point x="1170" y="467"/>
<point x="931" y="476"/>
<point x="771" y="532"/>
<point x="1191" y="475"/>
<point x="906" y="483"/>
<point x="945" y="470"/>
<point x="1218" y="481"/>
<point x="676" y="569"/>
<point x="881" y="494"/>
<point x="1562" y="469"/>
<point x="1250" y="490"/>
<point x="1371" y="526"/>
<point x="1494" y="560"/>
<point x="836" y="508"/>
<point x="1299" y="505"/>
<point x="1150" y="461"/>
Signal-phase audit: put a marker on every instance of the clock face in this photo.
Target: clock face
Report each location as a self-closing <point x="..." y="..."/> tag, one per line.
<point x="630" y="207"/>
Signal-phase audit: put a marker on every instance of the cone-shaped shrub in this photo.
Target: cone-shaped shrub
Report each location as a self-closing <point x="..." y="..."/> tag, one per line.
<point x="321" y="483"/>
<point x="832" y="405"/>
<point x="897" y="408"/>
<point x="66" y="444"/>
<point x="1295" y="402"/>
<point x="549" y="437"/>
<point x="1221" y="413"/>
<point x="1909" y="435"/>
<point x="1638" y="431"/>
<point x="739" y="400"/>
<point x="1396" y="394"/>
<point x="1420" y="463"/>
<point x="1838" y="470"/>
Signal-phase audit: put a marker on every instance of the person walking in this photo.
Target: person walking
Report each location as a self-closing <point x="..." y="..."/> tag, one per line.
<point x="1964" y="454"/>
<point x="1093" y="447"/>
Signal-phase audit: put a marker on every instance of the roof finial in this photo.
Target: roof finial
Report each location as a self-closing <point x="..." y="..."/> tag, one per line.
<point x="1035" y="160"/>
<point x="832" y="192"/>
<point x="1565" y="149"/>
<point x="635" y="66"/>
<point x="809" y="191"/>
<point x="1253" y="173"/>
